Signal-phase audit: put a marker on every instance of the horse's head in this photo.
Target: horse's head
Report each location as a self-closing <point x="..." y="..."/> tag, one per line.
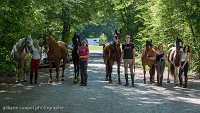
<point x="76" y="39"/>
<point x="29" y="43"/>
<point x="179" y="44"/>
<point x="149" y="48"/>
<point x="118" y="34"/>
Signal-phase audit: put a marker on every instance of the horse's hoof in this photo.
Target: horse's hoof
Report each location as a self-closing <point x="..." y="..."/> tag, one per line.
<point x="110" y="82"/>
<point x="168" y="81"/>
<point x="144" y="83"/>
<point x="106" y="79"/>
<point x="62" y="79"/>
<point x="119" y="83"/>
<point x="17" y="81"/>
<point x="50" y="81"/>
<point x="75" y="81"/>
<point x="25" y="80"/>
<point x="175" y="84"/>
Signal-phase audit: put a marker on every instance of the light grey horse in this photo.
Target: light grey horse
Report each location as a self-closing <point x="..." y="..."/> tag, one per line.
<point x="19" y="52"/>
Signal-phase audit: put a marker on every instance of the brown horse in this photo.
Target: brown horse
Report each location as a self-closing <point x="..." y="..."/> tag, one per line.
<point x="57" y="51"/>
<point x="112" y="53"/>
<point x="148" y="58"/>
<point x="174" y="60"/>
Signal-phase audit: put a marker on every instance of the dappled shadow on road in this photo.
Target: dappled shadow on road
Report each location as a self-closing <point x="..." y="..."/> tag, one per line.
<point x="100" y="96"/>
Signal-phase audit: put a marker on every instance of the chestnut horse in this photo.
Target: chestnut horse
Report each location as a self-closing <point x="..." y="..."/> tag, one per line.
<point x="148" y="58"/>
<point x="57" y="51"/>
<point x="19" y="53"/>
<point x="174" y="60"/>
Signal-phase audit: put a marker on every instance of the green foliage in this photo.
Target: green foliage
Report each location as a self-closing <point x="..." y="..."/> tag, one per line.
<point x="159" y="20"/>
<point x="103" y="39"/>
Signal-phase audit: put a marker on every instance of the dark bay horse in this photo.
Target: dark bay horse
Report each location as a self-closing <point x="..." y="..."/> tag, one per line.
<point x="75" y="56"/>
<point x="174" y="60"/>
<point x="56" y="51"/>
<point x="148" y="58"/>
<point x="19" y="53"/>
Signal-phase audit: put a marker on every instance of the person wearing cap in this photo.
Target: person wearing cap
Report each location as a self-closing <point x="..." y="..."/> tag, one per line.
<point x="128" y="55"/>
<point x="84" y="55"/>
<point x="35" y="61"/>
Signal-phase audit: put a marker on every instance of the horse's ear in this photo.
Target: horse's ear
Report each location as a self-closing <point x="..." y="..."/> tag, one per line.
<point x="151" y="40"/>
<point x="177" y="38"/>
<point x="120" y="31"/>
<point x="116" y="31"/>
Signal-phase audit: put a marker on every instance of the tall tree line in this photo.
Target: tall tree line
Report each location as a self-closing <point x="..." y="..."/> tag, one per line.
<point x="160" y="20"/>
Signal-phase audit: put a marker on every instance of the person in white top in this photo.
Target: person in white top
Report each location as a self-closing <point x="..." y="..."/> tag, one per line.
<point x="35" y="61"/>
<point x="184" y="66"/>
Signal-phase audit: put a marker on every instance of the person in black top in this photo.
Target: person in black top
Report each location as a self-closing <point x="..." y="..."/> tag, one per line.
<point x="160" y="64"/>
<point x="128" y="55"/>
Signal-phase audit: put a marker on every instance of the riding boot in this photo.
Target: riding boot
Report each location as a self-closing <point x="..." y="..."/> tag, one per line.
<point x="181" y="81"/>
<point x="126" y="78"/>
<point x="86" y="76"/>
<point x="186" y="80"/>
<point x="132" y="78"/>
<point x="36" y="76"/>
<point x="31" y="78"/>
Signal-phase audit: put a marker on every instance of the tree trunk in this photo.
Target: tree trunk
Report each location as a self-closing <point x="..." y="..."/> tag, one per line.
<point x="65" y="32"/>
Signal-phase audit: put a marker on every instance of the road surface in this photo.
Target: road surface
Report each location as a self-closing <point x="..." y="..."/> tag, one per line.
<point x="99" y="96"/>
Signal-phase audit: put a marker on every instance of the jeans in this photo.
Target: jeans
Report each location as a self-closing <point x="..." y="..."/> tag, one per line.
<point x="84" y="75"/>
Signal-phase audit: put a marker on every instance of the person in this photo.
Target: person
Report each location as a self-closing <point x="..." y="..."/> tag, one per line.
<point x="128" y="55"/>
<point x="35" y="61"/>
<point x="184" y="65"/>
<point x="160" y="64"/>
<point x="84" y="55"/>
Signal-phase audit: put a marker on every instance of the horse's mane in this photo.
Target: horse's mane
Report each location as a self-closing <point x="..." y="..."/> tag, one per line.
<point x="17" y="45"/>
<point x="52" y="42"/>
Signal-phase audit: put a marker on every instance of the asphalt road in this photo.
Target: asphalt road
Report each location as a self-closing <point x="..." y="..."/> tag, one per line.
<point x="99" y="96"/>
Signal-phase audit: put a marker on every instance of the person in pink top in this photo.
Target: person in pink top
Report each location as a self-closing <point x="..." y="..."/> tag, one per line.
<point x="84" y="54"/>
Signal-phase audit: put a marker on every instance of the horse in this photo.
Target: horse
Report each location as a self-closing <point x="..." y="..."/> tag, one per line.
<point x="56" y="51"/>
<point x="20" y="53"/>
<point x="112" y="53"/>
<point x="75" y="56"/>
<point x="148" y="58"/>
<point x="174" y="60"/>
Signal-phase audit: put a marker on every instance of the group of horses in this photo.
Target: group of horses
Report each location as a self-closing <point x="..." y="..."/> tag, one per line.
<point x="57" y="51"/>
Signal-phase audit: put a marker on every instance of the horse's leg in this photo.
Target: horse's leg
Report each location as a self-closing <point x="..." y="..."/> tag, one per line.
<point x="144" y="72"/>
<point x="50" y="71"/>
<point x="75" y="70"/>
<point x="118" y="72"/>
<point x="176" y="77"/>
<point x="110" y="72"/>
<point x="78" y="70"/>
<point x="17" y="72"/>
<point x="24" y="71"/>
<point x="168" y="79"/>
<point x="63" y="69"/>
<point x="57" y="70"/>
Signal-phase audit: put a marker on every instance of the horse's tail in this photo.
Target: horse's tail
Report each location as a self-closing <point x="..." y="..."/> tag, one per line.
<point x="172" y="69"/>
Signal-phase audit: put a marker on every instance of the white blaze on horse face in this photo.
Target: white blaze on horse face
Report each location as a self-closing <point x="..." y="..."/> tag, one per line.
<point x="180" y="43"/>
